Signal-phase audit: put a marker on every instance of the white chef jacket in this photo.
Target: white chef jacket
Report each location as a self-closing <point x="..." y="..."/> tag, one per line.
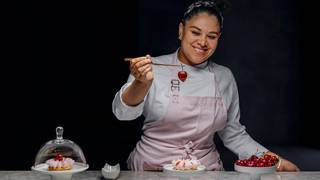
<point x="198" y="83"/>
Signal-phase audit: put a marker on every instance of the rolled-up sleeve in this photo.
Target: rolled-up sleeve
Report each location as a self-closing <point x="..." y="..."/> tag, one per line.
<point x="123" y="111"/>
<point x="234" y="135"/>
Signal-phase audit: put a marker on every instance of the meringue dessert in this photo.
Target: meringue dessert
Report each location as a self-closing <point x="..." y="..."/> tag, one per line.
<point x="185" y="164"/>
<point x="60" y="163"/>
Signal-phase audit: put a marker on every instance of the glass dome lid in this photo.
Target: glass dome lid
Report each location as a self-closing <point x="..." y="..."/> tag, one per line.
<point x="60" y="149"/>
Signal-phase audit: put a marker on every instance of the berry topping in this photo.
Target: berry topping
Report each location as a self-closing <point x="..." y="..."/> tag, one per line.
<point x="59" y="157"/>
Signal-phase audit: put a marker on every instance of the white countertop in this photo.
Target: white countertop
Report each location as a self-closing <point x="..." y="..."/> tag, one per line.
<point x="147" y="175"/>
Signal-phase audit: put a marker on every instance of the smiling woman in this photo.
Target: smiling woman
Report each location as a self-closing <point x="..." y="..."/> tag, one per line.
<point x="199" y="38"/>
<point x="184" y="111"/>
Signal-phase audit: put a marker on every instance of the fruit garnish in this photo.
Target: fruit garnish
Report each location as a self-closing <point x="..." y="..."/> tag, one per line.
<point x="58" y="157"/>
<point x="265" y="160"/>
<point x="182" y="75"/>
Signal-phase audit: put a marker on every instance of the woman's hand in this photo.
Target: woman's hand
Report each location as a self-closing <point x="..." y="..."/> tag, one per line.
<point x="286" y="165"/>
<point x="141" y="69"/>
<point x="283" y="164"/>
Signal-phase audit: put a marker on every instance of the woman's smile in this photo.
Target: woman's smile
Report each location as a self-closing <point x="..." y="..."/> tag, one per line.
<point x="200" y="51"/>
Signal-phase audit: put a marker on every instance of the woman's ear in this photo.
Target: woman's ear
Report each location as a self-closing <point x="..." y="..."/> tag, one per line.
<point x="219" y="35"/>
<point x="180" y="30"/>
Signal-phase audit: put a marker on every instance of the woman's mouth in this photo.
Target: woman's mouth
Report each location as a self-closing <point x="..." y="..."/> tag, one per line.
<point x="200" y="51"/>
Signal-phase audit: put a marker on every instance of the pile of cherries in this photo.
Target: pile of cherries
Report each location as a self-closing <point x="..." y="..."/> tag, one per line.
<point x="265" y="160"/>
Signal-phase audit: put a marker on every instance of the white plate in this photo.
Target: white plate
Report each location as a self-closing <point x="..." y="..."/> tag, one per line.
<point x="77" y="167"/>
<point x="168" y="169"/>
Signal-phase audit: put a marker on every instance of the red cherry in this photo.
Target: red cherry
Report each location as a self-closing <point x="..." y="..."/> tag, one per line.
<point x="267" y="156"/>
<point x="250" y="163"/>
<point x="59" y="157"/>
<point x="260" y="164"/>
<point x="256" y="161"/>
<point x="253" y="157"/>
<point x="264" y="161"/>
<point x="239" y="162"/>
<point x="274" y="158"/>
<point x="270" y="164"/>
<point x="182" y="75"/>
<point x="245" y="162"/>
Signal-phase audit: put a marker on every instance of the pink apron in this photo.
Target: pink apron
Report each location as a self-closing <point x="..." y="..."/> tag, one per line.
<point x="187" y="129"/>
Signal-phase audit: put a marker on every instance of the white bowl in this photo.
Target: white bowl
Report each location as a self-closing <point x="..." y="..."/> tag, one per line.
<point x="255" y="172"/>
<point x="110" y="172"/>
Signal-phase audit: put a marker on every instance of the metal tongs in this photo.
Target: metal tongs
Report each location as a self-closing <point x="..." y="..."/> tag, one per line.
<point x="157" y="64"/>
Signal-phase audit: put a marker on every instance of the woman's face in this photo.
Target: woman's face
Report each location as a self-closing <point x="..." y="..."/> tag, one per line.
<point x="199" y="38"/>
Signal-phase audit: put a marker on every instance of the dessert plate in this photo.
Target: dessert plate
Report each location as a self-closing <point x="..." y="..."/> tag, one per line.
<point x="168" y="169"/>
<point x="60" y="175"/>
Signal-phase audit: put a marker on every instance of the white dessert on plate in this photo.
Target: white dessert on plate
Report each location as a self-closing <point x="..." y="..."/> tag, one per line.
<point x="185" y="164"/>
<point x="60" y="163"/>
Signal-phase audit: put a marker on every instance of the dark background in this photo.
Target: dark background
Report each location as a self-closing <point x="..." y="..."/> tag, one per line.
<point x="67" y="64"/>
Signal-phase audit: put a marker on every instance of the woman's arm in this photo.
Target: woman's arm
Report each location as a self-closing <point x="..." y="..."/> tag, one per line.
<point x="135" y="93"/>
<point x="234" y="135"/>
<point x="128" y="103"/>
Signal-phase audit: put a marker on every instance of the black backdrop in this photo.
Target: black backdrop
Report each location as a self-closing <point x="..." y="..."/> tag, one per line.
<point x="76" y="67"/>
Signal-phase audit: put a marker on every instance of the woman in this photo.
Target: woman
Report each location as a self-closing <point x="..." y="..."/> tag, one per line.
<point x="185" y="105"/>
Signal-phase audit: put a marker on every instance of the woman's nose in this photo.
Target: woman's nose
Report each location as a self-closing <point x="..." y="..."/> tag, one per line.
<point x="202" y="41"/>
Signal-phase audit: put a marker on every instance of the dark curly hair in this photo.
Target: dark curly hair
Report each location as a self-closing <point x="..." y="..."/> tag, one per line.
<point x="212" y="7"/>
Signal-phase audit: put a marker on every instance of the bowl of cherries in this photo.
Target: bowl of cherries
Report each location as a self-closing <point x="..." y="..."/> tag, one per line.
<point x="256" y="165"/>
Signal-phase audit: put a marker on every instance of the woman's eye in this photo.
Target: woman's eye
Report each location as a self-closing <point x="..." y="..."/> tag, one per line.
<point x="212" y="37"/>
<point x="195" y="33"/>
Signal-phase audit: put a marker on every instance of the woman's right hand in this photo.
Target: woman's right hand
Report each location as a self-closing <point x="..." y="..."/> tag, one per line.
<point x="141" y="69"/>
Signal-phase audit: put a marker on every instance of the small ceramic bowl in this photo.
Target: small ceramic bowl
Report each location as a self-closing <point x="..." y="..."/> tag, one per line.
<point x="255" y="172"/>
<point x="110" y="172"/>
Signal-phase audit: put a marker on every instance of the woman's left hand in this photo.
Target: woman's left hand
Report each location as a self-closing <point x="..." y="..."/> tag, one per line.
<point x="286" y="165"/>
<point x="283" y="164"/>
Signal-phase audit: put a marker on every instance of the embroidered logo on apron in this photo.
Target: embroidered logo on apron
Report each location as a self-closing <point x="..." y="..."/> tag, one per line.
<point x="175" y="88"/>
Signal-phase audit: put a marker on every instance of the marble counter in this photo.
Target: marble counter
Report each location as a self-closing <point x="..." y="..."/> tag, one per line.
<point x="145" y="175"/>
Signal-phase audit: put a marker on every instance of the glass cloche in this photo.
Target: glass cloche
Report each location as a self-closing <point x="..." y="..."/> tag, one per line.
<point x="60" y="158"/>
